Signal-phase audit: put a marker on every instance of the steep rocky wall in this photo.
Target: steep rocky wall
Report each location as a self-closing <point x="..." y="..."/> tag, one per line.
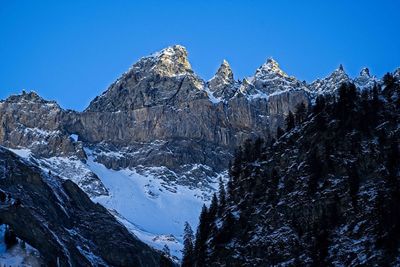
<point x="60" y="220"/>
<point x="28" y="121"/>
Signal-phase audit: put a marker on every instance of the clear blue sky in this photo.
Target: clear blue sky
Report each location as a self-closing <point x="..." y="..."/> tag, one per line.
<point x="70" y="51"/>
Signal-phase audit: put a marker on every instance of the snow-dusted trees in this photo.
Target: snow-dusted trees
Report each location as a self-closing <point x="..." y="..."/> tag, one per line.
<point x="188" y="246"/>
<point x="300" y="113"/>
<point x="10" y="239"/>
<point x="290" y="123"/>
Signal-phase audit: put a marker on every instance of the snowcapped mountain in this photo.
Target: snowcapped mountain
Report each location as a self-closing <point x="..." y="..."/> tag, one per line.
<point x="330" y="83"/>
<point x="153" y="146"/>
<point x="222" y="86"/>
<point x="269" y="79"/>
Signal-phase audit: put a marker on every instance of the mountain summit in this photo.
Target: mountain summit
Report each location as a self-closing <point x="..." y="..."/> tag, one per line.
<point x="270" y="67"/>
<point x="171" y="61"/>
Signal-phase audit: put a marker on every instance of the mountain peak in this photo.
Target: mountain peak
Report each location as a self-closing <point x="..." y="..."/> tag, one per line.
<point x="332" y="82"/>
<point x="271" y="66"/>
<point x="365" y="72"/>
<point x="396" y="73"/>
<point x="221" y="85"/>
<point x="170" y="61"/>
<point x="31" y="96"/>
<point x="224" y="73"/>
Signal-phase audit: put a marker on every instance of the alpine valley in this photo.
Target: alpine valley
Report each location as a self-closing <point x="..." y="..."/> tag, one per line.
<point x="310" y="170"/>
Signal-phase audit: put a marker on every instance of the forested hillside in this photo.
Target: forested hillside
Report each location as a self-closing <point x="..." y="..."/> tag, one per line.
<point x="324" y="192"/>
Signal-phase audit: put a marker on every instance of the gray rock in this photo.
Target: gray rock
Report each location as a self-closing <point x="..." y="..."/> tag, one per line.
<point x="64" y="224"/>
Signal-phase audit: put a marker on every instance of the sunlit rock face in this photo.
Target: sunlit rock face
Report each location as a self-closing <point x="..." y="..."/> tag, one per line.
<point x="160" y="113"/>
<point x="163" y="78"/>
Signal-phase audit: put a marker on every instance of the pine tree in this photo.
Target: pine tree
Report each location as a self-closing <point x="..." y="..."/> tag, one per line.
<point x="212" y="212"/>
<point x="319" y="104"/>
<point x="235" y="169"/>
<point x="258" y="148"/>
<point x="202" y="233"/>
<point x="315" y="169"/>
<point x="221" y="197"/>
<point x="10" y="239"/>
<point x="354" y="185"/>
<point x="248" y="152"/>
<point x="273" y="189"/>
<point x="165" y="262"/>
<point x="388" y="81"/>
<point x="188" y="246"/>
<point x="347" y="100"/>
<point x="226" y="232"/>
<point x="289" y="121"/>
<point x="301" y="113"/>
<point x="279" y="132"/>
<point x="3" y="196"/>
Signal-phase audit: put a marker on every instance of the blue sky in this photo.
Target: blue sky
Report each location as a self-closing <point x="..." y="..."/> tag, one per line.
<point x="70" y="51"/>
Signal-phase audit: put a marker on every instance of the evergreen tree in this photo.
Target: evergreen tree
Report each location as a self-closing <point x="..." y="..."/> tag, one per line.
<point x="279" y="133"/>
<point x="165" y="262"/>
<point x="248" y="155"/>
<point x="10" y="239"/>
<point x="258" y="148"/>
<point x="301" y="113"/>
<point x="273" y="189"/>
<point x="346" y="102"/>
<point x="289" y="121"/>
<point x="3" y="196"/>
<point x="202" y="234"/>
<point x="236" y="167"/>
<point x="376" y="102"/>
<point x="319" y="104"/>
<point x="227" y="229"/>
<point x="212" y="212"/>
<point x="221" y="197"/>
<point x="388" y="81"/>
<point x="188" y="246"/>
<point x="315" y="169"/>
<point x="354" y="184"/>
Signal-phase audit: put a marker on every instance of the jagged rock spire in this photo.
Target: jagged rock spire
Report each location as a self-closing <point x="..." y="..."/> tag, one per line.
<point x="222" y="84"/>
<point x="365" y="80"/>
<point x="270" y="67"/>
<point x="365" y="72"/>
<point x="224" y="74"/>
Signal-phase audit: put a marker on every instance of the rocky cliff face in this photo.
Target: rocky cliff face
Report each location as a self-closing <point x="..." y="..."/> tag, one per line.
<point x="163" y="110"/>
<point x="62" y="223"/>
<point x="29" y="121"/>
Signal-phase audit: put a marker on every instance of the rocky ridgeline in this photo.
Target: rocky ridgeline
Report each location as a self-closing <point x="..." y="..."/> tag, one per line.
<point x="160" y="113"/>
